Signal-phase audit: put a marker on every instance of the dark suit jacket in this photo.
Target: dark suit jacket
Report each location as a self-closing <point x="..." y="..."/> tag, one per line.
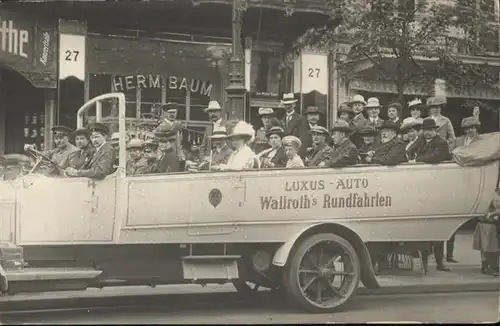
<point x="169" y="162"/>
<point x="411" y="151"/>
<point x="435" y="151"/>
<point x="344" y="154"/>
<point x="321" y="153"/>
<point x="101" y="163"/>
<point x="298" y="127"/>
<point x="363" y="149"/>
<point x="390" y="153"/>
<point x="279" y="159"/>
<point x="207" y="142"/>
<point x="77" y="160"/>
<point x="222" y="156"/>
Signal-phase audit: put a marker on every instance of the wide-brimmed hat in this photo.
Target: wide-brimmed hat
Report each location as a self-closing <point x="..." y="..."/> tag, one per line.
<point x="213" y="106"/>
<point x="135" y="143"/>
<point x="416" y="104"/>
<point x="411" y="123"/>
<point x="62" y="129"/>
<point x="266" y="111"/>
<point x="98" y="127"/>
<point x="219" y="133"/>
<point x="357" y="99"/>
<point x="319" y="130"/>
<point x="82" y="132"/>
<point x="288" y="98"/>
<point x="170" y="107"/>
<point x="275" y="130"/>
<point x="292" y="141"/>
<point x="470" y="122"/>
<point x="395" y="105"/>
<point x="243" y="128"/>
<point x="366" y="131"/>
<point x="311" y="110"/>
<point x="390" y="125"/>
<point x="435" y="101"/>
<point x="344" y="107"/>
<point x="373" y="103"/>
<point x="429" y="123"/>
<point x="341" y="125"/>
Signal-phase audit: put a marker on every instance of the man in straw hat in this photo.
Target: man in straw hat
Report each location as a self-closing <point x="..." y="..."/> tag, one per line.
<point x="433" y="149"/>
<point x="63" y="147"/>
<point x="295" y="124"/>
<point x="292" y="145"/>
<point x="344" y="152"/>
<point x="357" y="104"/>
<point x="444" y="126"/>
<point x="214" y="111"/>
<point x="391" y="150"/>
<point x="220" y="150"/>
<point x="321" y="152"/>
<point x="135" y="160"/>
<point x="83" y="156"/>
<point x="268" y="118"/>
<point x="372" y="108"/>
<point x="102" y="162"/>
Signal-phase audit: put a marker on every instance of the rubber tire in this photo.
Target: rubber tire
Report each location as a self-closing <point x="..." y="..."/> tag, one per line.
<point x="292" y="267"/>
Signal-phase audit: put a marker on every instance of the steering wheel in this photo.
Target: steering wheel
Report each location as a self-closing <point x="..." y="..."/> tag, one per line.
<point x="41" y="158"/>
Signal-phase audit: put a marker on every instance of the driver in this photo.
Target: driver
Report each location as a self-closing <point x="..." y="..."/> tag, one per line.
<point x="101" y="163"/>
<point x="59" y="155"/>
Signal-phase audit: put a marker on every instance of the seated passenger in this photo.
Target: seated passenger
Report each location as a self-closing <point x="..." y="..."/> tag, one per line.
<point x="411" y="128"/>
<point x="268" y="118"/>
<point x="194" y="158"/>
<point x="135" y="159"/>
<point x="150" y="150"/>
<point x="168" y="161"/>
<point x="292" y="146"/>
<point x="434" y="149"/>
<point x="321" y="152"/>
<point x="242" y="157"/>
<point x="470" y="126"/>
<point x="101" y="163"/>
<point x="368" y="136"/>
<point x="344" y="151"/>
<point x="79" y="159"/>
<point x="116" y="145"/>
<point x="391" y="150"/>
<point x="275" y="156"/>
<point x="221" y="152"/>
<point x="60" y="154"/>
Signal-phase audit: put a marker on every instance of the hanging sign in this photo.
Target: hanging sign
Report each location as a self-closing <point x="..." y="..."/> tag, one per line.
<point x="72" y="56"/>
<point x="314" y="73"/>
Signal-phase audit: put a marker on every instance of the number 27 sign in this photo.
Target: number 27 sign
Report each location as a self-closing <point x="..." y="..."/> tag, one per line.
<point x="314" y="73"/>
<point x="72" y="56"/>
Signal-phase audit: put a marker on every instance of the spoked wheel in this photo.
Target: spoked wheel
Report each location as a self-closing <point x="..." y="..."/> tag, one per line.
<point x="323" y="273"/>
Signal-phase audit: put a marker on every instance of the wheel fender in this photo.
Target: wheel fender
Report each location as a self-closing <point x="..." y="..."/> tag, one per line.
<point x="281" y="255"/>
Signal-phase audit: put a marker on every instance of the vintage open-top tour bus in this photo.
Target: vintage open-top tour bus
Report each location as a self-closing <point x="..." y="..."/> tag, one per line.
<point x="304" y="230"/>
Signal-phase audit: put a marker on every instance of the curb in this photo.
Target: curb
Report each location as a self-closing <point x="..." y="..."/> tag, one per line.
<point x="433" y="288"/>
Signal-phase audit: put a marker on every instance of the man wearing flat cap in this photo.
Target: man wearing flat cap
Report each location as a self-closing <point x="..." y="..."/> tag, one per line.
<point x="101" y="163"/>
<point x="312" y="115"/>
<point x="321" y="152"/>
<point x="344" y="151"/>
<point x="294" y="124"/>
<point x="60" y="154"/>
<point x="434" y="149"/>
<point x="150" y="150"/>
<point x="390" y="150"/>
<point x="80" y="158"/>
<point x="168" y="161"/>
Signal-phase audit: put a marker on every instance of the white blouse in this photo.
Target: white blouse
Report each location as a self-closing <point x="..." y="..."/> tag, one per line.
<point x="295" y="162"/>
<point x="241" y="159"/>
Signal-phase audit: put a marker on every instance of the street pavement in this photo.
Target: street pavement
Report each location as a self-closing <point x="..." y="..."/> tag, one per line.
<point x="428" y="308"/>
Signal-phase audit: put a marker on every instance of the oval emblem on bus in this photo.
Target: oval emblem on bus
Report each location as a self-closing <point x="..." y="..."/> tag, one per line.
<point x="215" y="197"/>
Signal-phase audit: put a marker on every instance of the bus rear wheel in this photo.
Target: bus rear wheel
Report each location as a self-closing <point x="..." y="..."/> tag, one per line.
<point x="323" y="273"/>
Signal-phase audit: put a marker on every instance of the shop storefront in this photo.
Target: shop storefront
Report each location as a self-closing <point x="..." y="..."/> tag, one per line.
<point x="27" y="81"/>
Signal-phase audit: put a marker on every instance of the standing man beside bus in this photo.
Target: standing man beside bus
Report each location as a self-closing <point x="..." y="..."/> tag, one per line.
<point x="295" y="124"/>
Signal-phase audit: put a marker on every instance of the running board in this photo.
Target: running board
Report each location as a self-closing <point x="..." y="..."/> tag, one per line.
<point x="210" y="268"/>
<point x="48" y="279"/>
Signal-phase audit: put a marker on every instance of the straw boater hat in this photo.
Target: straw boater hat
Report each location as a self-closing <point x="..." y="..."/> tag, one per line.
<point x="98" y="127"/>
<point x="341" y="125"/>
<point x="434" y="101"/>
<point x="319" y="130"/>
<point x="470" y="122"/>
<point x="358" y="99"/>
<point x="312" y="110"/>
<point x="219" y="133"/>
<point x="243" y="129"/>
<point x="429" y="123"/>
<point x="135" y="143"/>
<point x="292" y="141"/>
<point x="276" y="130"/>
<point x="411" y="123"/>
<point x="288" y="98"/>
<point x="213" y="106"/>
<point x="373" y="103"/>
<point x="266" y="112"/>
<point x="367" y="131"/>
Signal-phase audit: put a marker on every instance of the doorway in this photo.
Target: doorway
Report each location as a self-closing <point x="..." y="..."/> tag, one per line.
<point x="22" y="113"/>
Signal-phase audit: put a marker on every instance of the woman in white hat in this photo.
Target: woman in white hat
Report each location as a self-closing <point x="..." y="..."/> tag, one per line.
<point x="415" y="107"/>
<point x="292" y="145"/>
<point x="243" y="157"/>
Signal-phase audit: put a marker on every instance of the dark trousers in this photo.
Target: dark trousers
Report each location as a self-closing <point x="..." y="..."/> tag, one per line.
<point x="438" y="250"/>
<point x="450" y="246"/>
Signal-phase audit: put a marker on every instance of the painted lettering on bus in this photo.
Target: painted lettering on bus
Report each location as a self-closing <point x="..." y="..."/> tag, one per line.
<point x="285" y="202"/>
<point x="304" y="185"/>
<point x="352" y="183"/>
<point x="355" y="200"/>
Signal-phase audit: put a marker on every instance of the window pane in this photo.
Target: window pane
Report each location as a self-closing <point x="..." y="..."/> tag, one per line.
<point x="150" y="94"/>
<point x="177" y="96"/>
<point x="131" y="110"/>
<point x="198" y="113"/>
<point x="99" y="84"/>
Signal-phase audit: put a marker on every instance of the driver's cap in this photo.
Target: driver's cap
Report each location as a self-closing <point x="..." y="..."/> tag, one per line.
<point x="62" y="129"/>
